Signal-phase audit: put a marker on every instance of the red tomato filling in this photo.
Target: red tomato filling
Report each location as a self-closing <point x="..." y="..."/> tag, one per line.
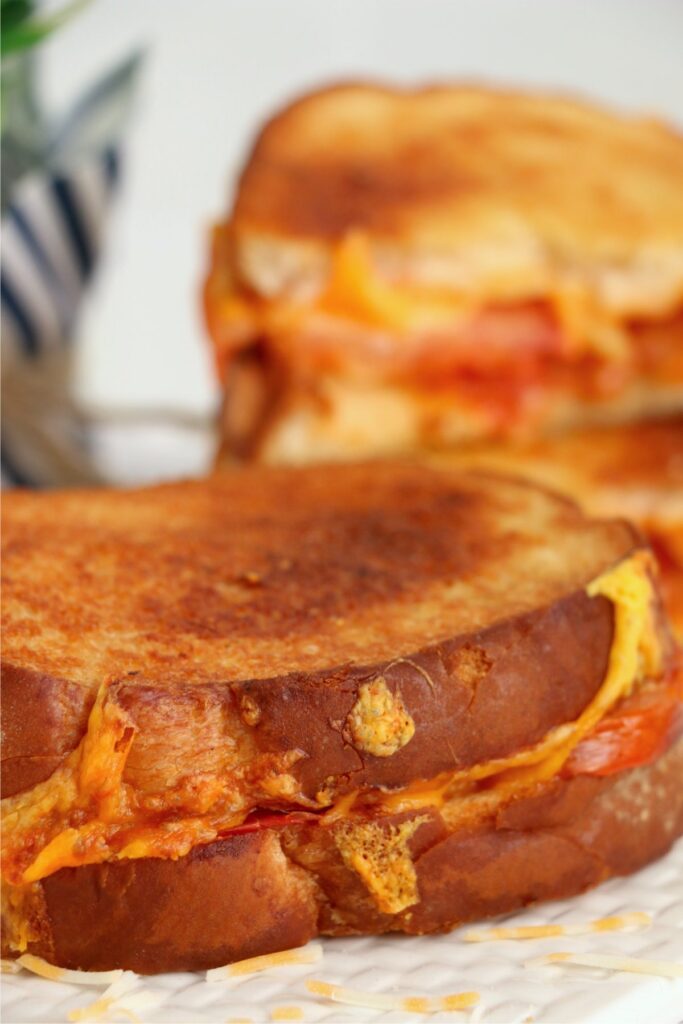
<point x="635" y="733"/>
<point x="259" y="820"/>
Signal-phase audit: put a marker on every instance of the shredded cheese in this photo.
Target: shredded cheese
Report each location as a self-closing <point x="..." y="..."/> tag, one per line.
<point x="287" y="1013"/>
<point x="93" y="1011"/>
<point x="612" y="962"/>
<point x="43" y="969"/>
<point x="382" y="1001"/>
<point x="118" y="1000"/>
<point x="310" y="954"/>
<point x="618" y="922"/>
<point x="111" y="1002"/>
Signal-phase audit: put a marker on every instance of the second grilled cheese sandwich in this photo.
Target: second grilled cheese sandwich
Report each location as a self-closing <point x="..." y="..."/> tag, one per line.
<point x="456" y="262"/>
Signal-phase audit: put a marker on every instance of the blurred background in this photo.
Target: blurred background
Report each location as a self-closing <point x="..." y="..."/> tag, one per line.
<point x="211" y="71"/>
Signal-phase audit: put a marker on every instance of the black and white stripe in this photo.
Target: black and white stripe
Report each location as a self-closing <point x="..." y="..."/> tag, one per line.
<point x="52" y="232"/>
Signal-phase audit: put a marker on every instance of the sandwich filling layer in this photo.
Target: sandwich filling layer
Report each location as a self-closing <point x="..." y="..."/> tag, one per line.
<point x="554" y="343"/>
<point x="86" y="813"/>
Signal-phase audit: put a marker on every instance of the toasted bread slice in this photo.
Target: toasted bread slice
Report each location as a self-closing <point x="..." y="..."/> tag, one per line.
<point x="300" y="569"/>
<point x="635" y="470"/>
<point x="342" y="645"/>
<point x="310" y="580"/>
<point x="493" y="193"/>
<point x="456" y="261"/>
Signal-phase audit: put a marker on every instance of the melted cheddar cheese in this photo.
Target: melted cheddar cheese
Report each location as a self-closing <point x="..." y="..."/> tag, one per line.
<point x="356" y="292"/>
<point x="382" y="859"/>
<point x="635" y="655"/>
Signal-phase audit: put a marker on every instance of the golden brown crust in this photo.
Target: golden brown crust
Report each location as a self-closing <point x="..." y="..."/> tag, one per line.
<point x="232" y="899"/>
<point x="242" y="895"/>
<point x="585" y="831"/>
<point x="186" y="598"/>
<point x="542" y="668"/>
<point x="43" y="719"/>
<point x="466" y="185"/>
<point x="634" y="470"/>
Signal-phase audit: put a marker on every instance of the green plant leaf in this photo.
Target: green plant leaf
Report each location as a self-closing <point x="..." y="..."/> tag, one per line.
<point x="13" y="12"/>
<point x="24" y="29"/>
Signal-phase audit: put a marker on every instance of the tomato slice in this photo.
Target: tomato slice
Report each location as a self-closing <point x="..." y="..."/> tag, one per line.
<point x="259" y="820"/>
<point x="639" y="731"/>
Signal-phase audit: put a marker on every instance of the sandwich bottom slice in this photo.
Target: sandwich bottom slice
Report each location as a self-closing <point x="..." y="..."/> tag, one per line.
<point x="244" y="711"/>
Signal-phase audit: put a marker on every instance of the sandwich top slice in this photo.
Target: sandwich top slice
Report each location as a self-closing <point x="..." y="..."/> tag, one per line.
<point x="453" y="261"/>
<point x="241" y="711"/>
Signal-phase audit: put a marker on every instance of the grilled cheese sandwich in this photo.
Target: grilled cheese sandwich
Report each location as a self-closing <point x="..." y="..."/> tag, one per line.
<point x="403" y="609"/>
<point x="469" y="258"/>
<point x="116" y="827"/>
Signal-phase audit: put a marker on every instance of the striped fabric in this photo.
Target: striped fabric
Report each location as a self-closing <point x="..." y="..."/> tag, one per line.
<point x="62" y="178"/>
<point x="52" y="233"/>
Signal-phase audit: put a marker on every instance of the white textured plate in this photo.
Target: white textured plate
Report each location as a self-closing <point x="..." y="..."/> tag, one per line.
<point x="510" y="993"/>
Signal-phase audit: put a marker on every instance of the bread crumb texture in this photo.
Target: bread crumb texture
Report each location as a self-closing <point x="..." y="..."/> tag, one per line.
<point x="379" y="723"/>
<point x="382" y="858"/>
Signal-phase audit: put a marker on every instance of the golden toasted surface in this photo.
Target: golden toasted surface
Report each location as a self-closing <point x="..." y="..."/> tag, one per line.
<point x="259" y="572"/>
<point x="467" y="186"/>
<point x="633" y="469"/>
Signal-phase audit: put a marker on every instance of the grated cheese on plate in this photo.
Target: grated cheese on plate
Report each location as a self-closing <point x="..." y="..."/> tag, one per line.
<point x="382" y="1001"/>
<point x="617" y="922"/>
<point x="310" y="954"/>
<point x="611" y="962"/>
<point x="43" y="969"/>
<point x="119" y="1000"/>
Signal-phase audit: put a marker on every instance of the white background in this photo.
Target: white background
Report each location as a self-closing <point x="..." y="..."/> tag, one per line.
<point x="215" y="68"/>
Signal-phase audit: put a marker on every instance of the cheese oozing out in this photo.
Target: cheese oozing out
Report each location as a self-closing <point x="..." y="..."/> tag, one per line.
<point x="355" y="292"/>
<point x="94" y="772"/>
<point x="636" y="654"/>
